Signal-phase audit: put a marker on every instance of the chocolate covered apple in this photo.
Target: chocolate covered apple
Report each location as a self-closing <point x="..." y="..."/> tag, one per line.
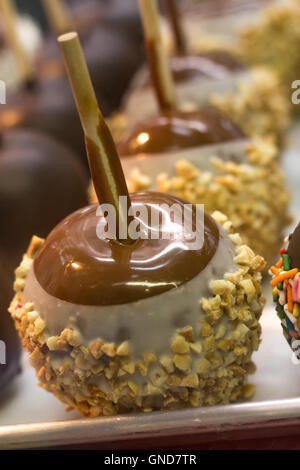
<point x="201" y="156"/>
<point x="148" y="323"/>
<point x="41" y="182"/>
<point x="252" y="98"/>
<point x="112" y="66"/>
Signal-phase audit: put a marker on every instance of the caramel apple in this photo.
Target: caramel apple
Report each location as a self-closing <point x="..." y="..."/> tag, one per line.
<point x="253" y="99"/>
<point x="118" y="324"/>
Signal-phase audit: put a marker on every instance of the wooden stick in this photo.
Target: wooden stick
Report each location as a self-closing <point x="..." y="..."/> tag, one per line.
<point x="24" y="63"/>
<point x="171" y="8"/>
<point x="157" y="57"/>
<point x="104" y="161"/>
<point x="59" y="16"/>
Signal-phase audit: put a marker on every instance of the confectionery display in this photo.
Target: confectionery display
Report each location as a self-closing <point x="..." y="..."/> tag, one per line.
<point x="84" y="307"/>
<point x="286" y="290"/>
<point x="252" y="98"/>
<point x="204" y="158"/>
<point x="148" y="220"/>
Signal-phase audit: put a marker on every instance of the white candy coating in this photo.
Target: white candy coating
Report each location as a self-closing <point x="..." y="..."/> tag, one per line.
<point x="149" y="323"/>
<point x="152" y="165"/>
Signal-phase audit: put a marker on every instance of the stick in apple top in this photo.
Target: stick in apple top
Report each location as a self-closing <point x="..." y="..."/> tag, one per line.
<point x="104" y="161"/>
<point x="59" y="16"/>
<point x="171" y="8"/>
<point x="157" y="57"/>
<point x="23" y="61"/>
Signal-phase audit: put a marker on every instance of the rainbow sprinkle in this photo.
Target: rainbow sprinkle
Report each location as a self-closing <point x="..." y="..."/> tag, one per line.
<point x="286" y="299"/>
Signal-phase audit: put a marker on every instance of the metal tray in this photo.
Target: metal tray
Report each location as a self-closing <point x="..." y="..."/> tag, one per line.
<point x="32" y="418"/>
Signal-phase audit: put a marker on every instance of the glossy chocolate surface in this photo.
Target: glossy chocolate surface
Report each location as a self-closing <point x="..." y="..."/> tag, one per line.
<point x="41" y="182"/>
<point x="178" y="131"/>
<point x="76" y="266"/>
<point x="294" y="248"/>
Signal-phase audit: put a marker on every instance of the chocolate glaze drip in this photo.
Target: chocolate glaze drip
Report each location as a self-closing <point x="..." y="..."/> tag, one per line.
<point x="294" y="248"/>
<point x="76" y="266"/>
<point x="178" y="131"/>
